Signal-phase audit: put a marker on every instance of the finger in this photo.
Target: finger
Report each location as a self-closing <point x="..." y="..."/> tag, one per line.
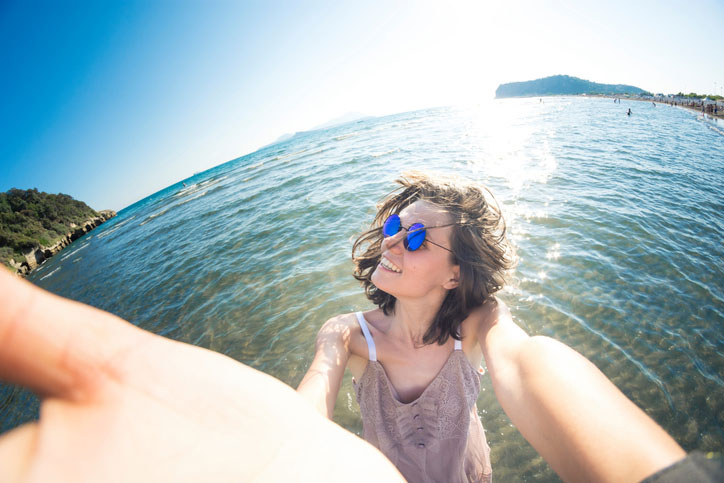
<point x="54" y="346"/>
<point x="16" y="450"/>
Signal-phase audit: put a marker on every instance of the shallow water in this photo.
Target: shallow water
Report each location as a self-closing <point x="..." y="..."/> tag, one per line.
<point x="618" y="221"/>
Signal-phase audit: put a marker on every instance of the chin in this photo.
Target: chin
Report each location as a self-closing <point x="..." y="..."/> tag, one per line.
<point x="378" y="279"/>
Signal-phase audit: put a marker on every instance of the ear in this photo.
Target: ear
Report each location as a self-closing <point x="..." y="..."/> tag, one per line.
<point x="454" y="279"/>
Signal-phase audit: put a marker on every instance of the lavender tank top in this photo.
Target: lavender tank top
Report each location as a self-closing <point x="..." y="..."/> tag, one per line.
<point x="436" y="438"/>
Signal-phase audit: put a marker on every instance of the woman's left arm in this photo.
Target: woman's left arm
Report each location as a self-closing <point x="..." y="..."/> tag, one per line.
<point x="583" y="426"/>
<point x="320" y="385"/>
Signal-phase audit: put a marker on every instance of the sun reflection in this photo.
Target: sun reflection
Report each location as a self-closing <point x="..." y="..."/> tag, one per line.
<point x="554" y="253"/>
<point x="508" y="146"/>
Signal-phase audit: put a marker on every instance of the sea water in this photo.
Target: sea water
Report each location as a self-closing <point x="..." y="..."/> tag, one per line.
<point x="618" y="222"/>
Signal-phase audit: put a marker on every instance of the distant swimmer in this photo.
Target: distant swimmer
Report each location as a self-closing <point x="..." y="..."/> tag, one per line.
<point x="654" y="104"/>
<point x="184" y="185"/>
<point x="629" y="112"/>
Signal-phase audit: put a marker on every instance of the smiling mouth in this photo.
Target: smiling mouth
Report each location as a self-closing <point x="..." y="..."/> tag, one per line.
<point x="385" y="263"/>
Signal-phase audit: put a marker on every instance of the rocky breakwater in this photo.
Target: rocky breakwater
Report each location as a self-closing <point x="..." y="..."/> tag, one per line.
<point x="37" y="256"/>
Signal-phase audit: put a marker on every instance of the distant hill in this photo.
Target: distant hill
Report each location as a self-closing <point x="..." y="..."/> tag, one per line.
<point x="562" y="85"/>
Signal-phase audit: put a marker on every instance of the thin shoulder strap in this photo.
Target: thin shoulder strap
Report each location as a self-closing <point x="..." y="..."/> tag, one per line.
<point x="368" y="336"/>
<point x="458" y="345"/>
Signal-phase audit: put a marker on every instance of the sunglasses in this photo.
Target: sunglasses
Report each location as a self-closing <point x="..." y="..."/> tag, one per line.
<point x="415" y="233"/>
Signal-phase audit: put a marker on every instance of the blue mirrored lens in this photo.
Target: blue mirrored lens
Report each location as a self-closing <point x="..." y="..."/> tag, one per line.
<point x="415" y="237"/>
<point x="391" y="226"/>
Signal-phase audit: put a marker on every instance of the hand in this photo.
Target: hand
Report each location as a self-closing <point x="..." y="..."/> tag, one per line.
<point x="122" y="404"/>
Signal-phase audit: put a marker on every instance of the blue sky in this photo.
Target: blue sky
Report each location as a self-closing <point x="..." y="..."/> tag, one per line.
<point x="112" y="101"/>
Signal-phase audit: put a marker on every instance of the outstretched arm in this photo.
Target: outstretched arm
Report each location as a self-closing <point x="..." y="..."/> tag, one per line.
<point x="122" y="404"/>
<point x="583" y="426"/>
<point x="323" y="379"/>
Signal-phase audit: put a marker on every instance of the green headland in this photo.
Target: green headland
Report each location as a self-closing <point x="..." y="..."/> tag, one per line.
<point x="558" y="85"/>
<point x="35" y="225"/>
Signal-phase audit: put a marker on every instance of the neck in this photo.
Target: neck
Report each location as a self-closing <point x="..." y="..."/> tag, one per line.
<point x="413" y="318"/>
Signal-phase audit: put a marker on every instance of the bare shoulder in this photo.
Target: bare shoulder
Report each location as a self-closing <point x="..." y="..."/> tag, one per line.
<point x="338" y="328"/>
<point x="491" y="313"/>
<point x="494" y="307"/>
<point x="500" y="338"/>
<point x="344" y="329"/>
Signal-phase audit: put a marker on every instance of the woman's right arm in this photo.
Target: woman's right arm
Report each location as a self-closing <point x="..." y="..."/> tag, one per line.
<point x="323" y="379"/>
<point x="568" y="410"/>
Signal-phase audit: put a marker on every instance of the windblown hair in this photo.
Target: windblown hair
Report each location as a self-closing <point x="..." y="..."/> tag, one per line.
<point x="478" y="242"/>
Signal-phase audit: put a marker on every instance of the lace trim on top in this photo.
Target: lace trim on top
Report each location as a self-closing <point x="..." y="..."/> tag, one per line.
<point x="437" y="437"/>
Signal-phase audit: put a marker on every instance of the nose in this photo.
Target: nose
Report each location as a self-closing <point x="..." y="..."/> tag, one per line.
<point x="394" y="243"/>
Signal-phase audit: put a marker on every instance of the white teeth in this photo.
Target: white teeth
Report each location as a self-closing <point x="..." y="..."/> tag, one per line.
<point x="389" y="265"/>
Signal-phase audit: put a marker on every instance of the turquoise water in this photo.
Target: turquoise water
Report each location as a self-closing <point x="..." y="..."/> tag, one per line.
<point x="618" y="221"/>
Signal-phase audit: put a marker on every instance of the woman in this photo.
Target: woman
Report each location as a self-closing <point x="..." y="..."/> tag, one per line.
<point x="434" y="258"/>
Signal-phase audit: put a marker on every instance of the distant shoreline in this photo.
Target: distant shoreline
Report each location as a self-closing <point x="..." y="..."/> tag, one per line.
<point x="695" y="106"/>
<point x="692" y="105"/>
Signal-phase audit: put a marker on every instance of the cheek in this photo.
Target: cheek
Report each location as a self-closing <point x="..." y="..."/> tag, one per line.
<point x="425" y="272"/>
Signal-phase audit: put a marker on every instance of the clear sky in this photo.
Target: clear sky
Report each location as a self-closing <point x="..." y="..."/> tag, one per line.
<point x="112" y="101"/>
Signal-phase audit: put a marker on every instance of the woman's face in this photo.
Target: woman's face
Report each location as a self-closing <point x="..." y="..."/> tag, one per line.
<point x="426" y="271"/>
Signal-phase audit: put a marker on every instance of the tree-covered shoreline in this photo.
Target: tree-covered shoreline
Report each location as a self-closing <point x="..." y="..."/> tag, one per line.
<point x="31" y="219"/>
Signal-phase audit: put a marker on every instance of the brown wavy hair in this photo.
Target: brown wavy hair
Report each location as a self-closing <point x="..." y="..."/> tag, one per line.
<point x="478" y="242"/>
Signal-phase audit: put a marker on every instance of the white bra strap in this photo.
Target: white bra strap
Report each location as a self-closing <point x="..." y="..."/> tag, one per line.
<point x="458" y="345"/>
<point x="368" y="336"/>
